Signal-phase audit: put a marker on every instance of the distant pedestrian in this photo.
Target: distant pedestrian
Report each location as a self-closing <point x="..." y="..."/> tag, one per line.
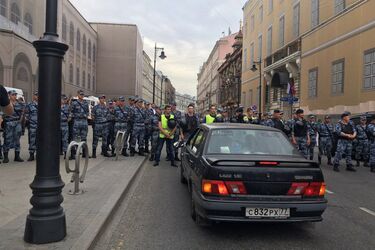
<point x="300" y="134"/>
<point x="346" y="132"/>
<point x="31" y="116"/>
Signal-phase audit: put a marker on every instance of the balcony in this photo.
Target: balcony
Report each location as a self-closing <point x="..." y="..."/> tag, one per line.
<point x="284" y="52"/>
<point x="19" y="29"/>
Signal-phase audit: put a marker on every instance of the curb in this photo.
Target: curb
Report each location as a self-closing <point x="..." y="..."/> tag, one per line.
<point x="98" y="225"/>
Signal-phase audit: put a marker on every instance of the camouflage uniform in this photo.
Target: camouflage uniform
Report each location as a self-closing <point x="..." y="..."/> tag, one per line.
<point x="178" y="117"/>
<point x="64" y="126"/>
<point x="155" y="135"/>
<point x="31" y="113"/>
<point x="121" y="122"/>
<point x="148" y="135"/>
<point x="325" y="141"/>
<point x="139" y="130"/>
<point x="111" y="128"/>
<point x="371" y="133"/>
<point x="100" y="115"/>
<point x="312" y="132"/>
<point x="79" y="111"/>
<point x="361" y="146"/>
<point x="13" y="130"/>
<point x="344" y="146"/>
<point x="299" y="128"/>
<point x="129" y="132"/>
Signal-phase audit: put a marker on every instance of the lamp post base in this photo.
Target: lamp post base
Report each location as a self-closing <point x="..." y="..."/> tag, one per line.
<point x="45" y="230"/>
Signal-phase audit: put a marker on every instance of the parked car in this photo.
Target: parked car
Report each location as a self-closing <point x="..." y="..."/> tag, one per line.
<point x="248" y="173"/>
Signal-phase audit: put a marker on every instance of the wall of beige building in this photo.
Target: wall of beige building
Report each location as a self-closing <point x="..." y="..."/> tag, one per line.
<point x="119" y="59"/>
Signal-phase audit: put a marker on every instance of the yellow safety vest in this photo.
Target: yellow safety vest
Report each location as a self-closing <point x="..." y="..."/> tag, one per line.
<point x="164" y="125"/>
<point x="210" y="119"/>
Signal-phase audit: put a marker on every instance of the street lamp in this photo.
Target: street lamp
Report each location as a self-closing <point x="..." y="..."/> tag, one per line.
<point x="163" y="77"/>
<point x="254" y="68"/>
<point x="162" y="57"/>
<point x="46" y="220"/>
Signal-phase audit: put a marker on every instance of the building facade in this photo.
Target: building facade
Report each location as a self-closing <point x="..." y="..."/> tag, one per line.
<point x="230" y="73"/>
<point x="169" y="91"/>
<point x="208" y="76"/>
<point x="183" y="101"/>
<point x="317" y="50"/>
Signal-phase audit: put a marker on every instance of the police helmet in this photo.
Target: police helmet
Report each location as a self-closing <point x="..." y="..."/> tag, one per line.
<point x="172" y="123"/>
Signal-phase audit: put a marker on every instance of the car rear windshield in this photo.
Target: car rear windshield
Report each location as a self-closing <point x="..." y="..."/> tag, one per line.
<point x="249" y="142"/>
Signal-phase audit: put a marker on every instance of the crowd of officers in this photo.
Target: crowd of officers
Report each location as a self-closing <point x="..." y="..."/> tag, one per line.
<point x="147" y="127"/>
<point x="335" y="141"/>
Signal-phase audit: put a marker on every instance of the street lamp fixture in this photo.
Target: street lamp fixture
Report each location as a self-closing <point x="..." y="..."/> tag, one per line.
<point x="162" y="57"/>
<point x="163" y="77"/>
<point x="254" y="69"/>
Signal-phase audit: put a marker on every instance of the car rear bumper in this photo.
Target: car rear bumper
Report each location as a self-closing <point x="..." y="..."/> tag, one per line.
<point x="231" y="210"/>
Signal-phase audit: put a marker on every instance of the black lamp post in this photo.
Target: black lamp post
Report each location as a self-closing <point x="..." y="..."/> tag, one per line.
<point x="163" y="77"/>
<point x="46" y="220"/>
<point x="162" y="57"/>
<point x="254" y="68"/>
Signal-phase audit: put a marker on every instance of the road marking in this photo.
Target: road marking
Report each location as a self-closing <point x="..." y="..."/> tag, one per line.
<point x="367" y="211"/>
<point x="329" y="192"/>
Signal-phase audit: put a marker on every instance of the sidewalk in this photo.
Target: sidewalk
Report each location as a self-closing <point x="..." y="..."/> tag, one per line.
<point x="106" y="182"/>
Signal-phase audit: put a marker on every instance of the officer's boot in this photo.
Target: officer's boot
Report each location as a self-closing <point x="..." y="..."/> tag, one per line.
<point x="113" y="152"/>
<point x="17" y="157"/>
<point x="31" y="158"/>
<point x="176" y="157"/>
<point x="358" y="163"/>
<point x="366" y="164"/>
<point x="152" y="157"/>
<point x="1" y="154"/>
<point x="336" y="168"/>
<point x="124" y="153"/>
<point x="147" y="151"/>
<point x="73" y="154"/>
<point x="141" y="152"/>
<point x="350" y="168"/>
<point x="330" y="162"/>
<point x="93" y="153"/>
<point x="6" y="159"/>
<point x="132" y="152"/>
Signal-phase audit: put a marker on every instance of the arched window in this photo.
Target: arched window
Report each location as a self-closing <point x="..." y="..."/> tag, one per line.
<point x="89" y="81"/>
<point x="71" y="34"/>
<point x="89" y="49"/>
<point x="94" y="53"/>
<point x="71" y="73"/>
<point x="15" y="15"/>
<point x="28" y="21"/>
<point x="22" y="75"/>
<point x="84" y="79"/>
<point x="84" y="44"/>
<point x="78" y="40"/>
<point x="63" y="28"/>
<point x="3" y="7"/>
<point x="78" y="76"/>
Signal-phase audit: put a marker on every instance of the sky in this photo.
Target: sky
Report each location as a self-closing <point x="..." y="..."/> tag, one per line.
<point x="187" y="29"/>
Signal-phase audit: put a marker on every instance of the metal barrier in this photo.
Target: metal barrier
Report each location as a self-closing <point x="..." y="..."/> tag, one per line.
<point x="76" y="178"/>
<point x="119" y="143"/>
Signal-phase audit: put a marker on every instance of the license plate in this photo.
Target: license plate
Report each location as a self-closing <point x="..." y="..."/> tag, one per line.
<point x="280" y="213"/>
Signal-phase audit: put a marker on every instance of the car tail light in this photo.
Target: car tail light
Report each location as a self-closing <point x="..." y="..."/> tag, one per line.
<point x="269" y="163"/>
<point x="307" y="189"/>
<point x="223" y="188"/>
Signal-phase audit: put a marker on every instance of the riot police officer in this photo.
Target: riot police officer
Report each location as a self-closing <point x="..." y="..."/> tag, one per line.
<point x="130" y="110"/>
<point x="300" y="133"/>
<point x="346" y="132"/>
<point x="100" y="114"/>
<point x="149" y="112"/>
<point x="31" y="116"/>
<point x="312" y="132"/>
<point x="121" y="121"/>
<point x="361" y="147"/>
<point x="139" y="128"/>
<point x="111" y="126"/>
<point x="178" y="133"/>
<point x="64" y="127"/>
<point x="371" y="136"/>
<point x="155" y="132"/>
<point x="13" y="128"/>
<point x="325" y="131"/>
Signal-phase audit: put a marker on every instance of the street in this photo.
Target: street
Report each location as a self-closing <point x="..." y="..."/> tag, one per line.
<point x="157" y="216"/>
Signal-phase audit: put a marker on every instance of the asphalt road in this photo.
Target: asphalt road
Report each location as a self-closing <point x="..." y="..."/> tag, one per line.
<point x="157" y="216"/>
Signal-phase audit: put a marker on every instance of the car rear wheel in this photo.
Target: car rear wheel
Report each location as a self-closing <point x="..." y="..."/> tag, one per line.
<point x="199" y="220"/>
<point x="182" y="177"/>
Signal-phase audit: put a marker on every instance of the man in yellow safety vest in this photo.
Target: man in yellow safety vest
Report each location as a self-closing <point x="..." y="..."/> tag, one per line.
<point x="210" y="118"/>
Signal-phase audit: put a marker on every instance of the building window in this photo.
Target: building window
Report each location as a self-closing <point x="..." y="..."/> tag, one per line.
<point x="281" y="31"/>
<point x="71" y="34"/>
<point x="89" y="81"/>
<point x="28" y="21"/>
<point x="270" y="6"/>
<point x="252" y="21"/>
<point x="84" y="79"/>
<point x="369" y="70"/>
<point x="78" y="76"/>
<point x="261" y="14"/>
<point x="64" y="28"/>
<point x="15" y="15"/>
<point x="269" y="41"/>
<point x="94" y="53"/>
<point x="313" y="83"/>
<point x="245" y="29"/>
<point x="3" y="7"/>
<point x="260" y="44"/>
<point x="339" y="6"/>
<point x="251" y="54"/>
<point x="296" y="20"/>
<point x="338" y="73"/>
<point x="89" y="49"/>
<point x="314" y="13"/>
<point x="84" y="44"/>
<point x="78" y="40"/>
<point x="245" y="59"/>
<point x="71" y="74"/>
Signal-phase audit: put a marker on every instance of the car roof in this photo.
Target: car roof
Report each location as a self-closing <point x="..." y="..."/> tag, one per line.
<point x="237" y="126"/>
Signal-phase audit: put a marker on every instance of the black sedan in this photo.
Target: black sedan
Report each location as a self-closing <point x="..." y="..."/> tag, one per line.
<point x="245" y="173"/>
